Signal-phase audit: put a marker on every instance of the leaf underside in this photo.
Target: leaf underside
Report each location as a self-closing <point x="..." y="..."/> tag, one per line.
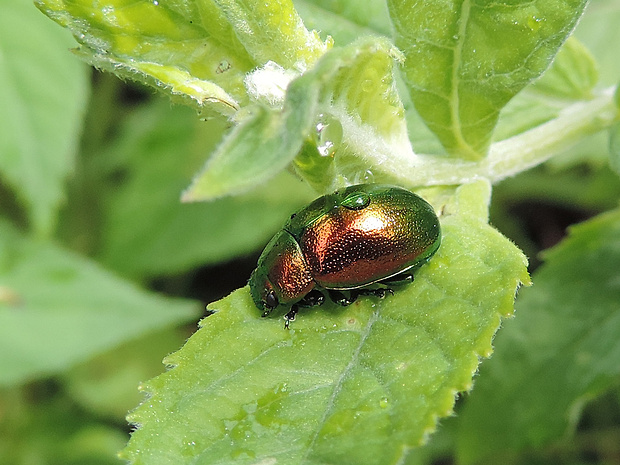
<point x="462" y="73"/>
<point x="200" y="51"/>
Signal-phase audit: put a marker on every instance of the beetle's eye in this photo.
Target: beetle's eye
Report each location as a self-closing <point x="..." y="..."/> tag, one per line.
<point x="271" y="300"/>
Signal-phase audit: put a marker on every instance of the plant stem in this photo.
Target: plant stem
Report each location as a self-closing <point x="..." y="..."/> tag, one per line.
<point x="513" y="155"/>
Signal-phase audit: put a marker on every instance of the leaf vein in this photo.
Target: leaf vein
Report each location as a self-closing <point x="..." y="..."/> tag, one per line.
<point x="339" y="383"/>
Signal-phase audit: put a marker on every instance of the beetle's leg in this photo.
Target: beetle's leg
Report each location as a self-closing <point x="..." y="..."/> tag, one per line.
<point x="311" y="299"/>
<point x="379" y="292"/>
<point x="290" y="316"/>
<point x="341" y="298"/>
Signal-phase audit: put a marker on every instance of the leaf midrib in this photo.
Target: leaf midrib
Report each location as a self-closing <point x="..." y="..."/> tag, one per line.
<point x="456" y="65"/>
<point x="339" y="383"/>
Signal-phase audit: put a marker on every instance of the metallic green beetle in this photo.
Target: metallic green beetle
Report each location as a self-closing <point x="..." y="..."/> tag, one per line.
<point x="362" y="235"/>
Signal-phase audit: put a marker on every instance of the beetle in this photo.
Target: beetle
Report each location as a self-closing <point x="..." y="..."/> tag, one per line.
<point x="341" y="244"/>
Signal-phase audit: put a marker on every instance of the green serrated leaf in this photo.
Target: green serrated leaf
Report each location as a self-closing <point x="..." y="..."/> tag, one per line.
<point x="355" y="385"/>
<point x="562" y="348"/>
<point x="466" y="60"/>
<point x="351" y="90"/>
<point x="43" y="92"/>
<point x="57" y="309"/>
<point x="199" y="51"/>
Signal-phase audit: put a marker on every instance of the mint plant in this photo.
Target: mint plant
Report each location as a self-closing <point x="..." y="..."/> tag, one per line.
<point x="472" y="105"/>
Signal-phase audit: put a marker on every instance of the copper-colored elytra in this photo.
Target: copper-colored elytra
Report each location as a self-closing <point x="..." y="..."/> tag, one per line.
<point x="345" y="241"/>
<point x="353" y="248"/>
<point x="290" y="273"/>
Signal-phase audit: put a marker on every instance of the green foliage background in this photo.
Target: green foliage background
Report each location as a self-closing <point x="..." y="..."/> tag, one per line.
<point x="495" y="112"/>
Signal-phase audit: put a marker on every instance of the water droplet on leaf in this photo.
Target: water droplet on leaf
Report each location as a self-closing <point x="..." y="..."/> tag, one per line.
<point x="534" y="23"/>
<point x="328" y="135"/>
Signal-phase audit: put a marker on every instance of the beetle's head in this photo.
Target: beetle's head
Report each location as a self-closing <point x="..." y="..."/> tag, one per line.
<point x="263" y="293"/>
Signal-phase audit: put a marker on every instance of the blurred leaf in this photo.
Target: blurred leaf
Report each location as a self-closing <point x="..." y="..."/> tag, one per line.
<point x="465" y="61"/>
<point x="43" y="91"/>
<point x="43" y="429"/>
<point x="107" y="384"/>
<point x="526" y="111"/>
<point x="614" y="148"/>
<point x="361" y="384"/>
<point x="573" y="74"/>
<point x="62" y="309"/>
<point x="146" y="231"/>
<point x="591" y="152"/>
<point x="197" y="50"/>
<point x="550" y="198"/>
<point x="562" y="349"/>
<point x="580" y="187"/>
<point x="534" y="208"/>
<point x="441" y="446"/>
<point x="597" y="30"/>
